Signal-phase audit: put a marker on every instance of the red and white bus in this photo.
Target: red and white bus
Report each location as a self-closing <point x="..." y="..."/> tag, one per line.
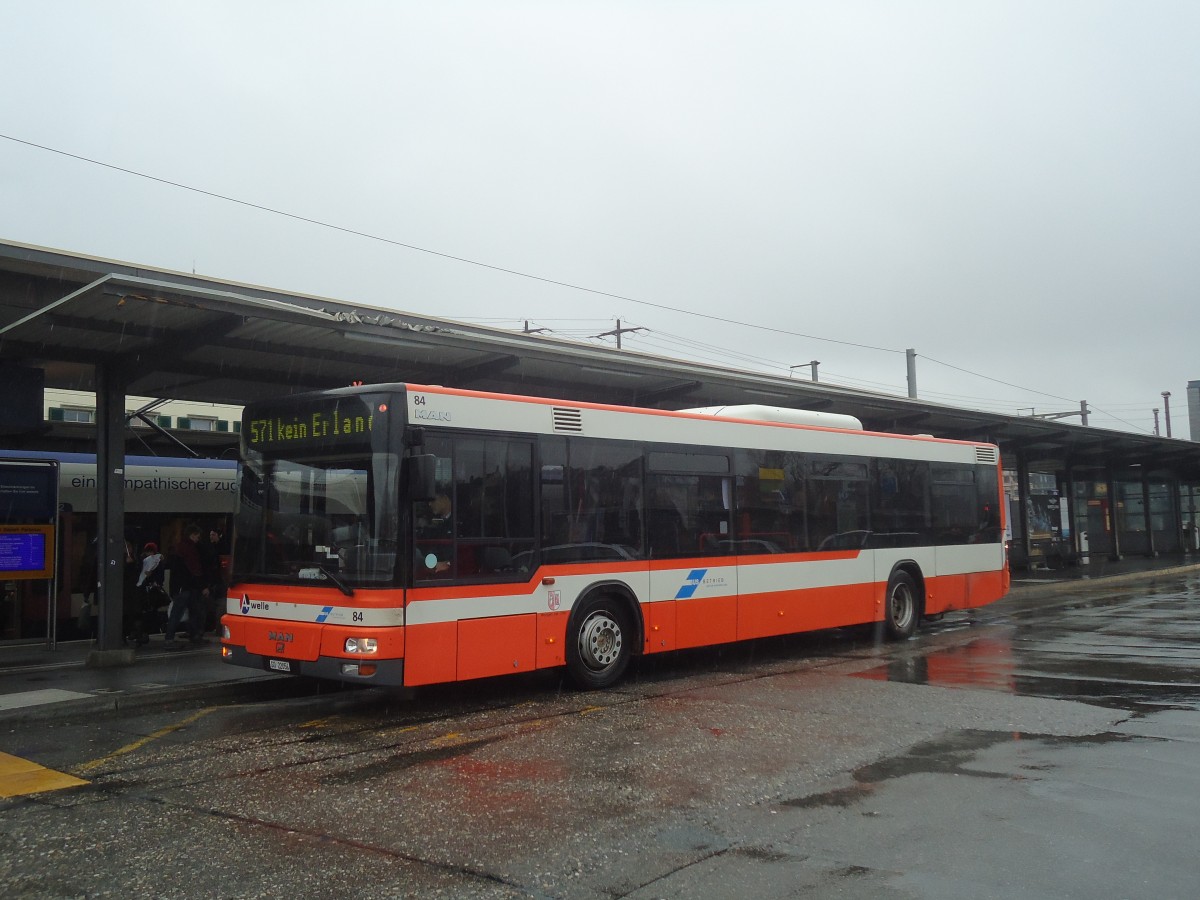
<point x="406" y="535"/>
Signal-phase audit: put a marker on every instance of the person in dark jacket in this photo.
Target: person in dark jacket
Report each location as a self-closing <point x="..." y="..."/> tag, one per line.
<point x="151" y="586"/>
<point x="132" y="616"/>
<point x="189" y="589"/>
<point x="212" y="549"/>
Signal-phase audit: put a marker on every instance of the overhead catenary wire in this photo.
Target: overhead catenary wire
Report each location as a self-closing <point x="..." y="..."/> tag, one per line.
<point x="673" y="343"/>
<point x="997" y="380"/>
<point x="1000" y="405"/>
<point x="521" y="274"/>
<point x="443" y="255"/>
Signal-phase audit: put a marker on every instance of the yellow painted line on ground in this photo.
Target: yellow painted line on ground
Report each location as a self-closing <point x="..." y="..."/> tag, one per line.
<point x="142" y="742"/>
<point x="20" y="776"/>
<point x="319" y="723"/>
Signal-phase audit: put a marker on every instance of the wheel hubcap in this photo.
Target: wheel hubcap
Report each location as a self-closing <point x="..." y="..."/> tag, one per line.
<point x="902" y="606"/>
<point x="600" y="641"/>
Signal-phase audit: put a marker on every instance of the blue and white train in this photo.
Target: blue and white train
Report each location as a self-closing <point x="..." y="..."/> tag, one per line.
<point x="162" y="496"/>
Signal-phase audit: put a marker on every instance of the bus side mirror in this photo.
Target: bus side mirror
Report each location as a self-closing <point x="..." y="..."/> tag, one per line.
<point x="422" y="472"/>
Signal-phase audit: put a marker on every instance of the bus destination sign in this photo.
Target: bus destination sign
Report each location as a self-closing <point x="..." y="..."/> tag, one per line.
<point x="349" y="422"/>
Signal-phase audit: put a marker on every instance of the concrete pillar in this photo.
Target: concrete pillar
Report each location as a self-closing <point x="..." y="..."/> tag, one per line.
<point x="1193" y="399"/>
<point x="1067" y="499"/>
<point x="1023" y="506"/>
<point x="110" y="518"/>
<point x="1151" y="550"/>
<point x="1113" y="518"/>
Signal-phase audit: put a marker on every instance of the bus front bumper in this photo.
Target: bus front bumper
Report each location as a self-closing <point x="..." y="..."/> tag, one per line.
<point x="383" y="672"/>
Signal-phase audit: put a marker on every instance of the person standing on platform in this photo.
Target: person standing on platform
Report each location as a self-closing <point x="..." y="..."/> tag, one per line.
<point x="131" y="598"/>
<point x="189" y="584"/>
<point x="150" y="586"/>
<point x="212" y="551"/>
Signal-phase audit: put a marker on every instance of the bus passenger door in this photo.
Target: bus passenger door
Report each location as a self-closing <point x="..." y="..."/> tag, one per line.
<point x="695" y="600"/>
<point x="693" y="567"/>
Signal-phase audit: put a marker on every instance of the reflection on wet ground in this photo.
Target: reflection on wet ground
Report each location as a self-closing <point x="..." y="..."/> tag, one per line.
<point x="957" y="753"/>
<point x="1131" y="651"/>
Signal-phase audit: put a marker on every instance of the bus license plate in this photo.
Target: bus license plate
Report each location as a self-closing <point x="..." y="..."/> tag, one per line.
<point x="280" y="665"/>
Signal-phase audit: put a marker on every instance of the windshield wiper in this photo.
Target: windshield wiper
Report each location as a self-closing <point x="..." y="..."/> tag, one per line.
<point x="337" y="580"/>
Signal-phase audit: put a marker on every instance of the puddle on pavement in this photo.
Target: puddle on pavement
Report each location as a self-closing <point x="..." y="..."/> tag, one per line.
<point x="766" y="855"/>
<point x="945" y="756"/>
<point x="982" y="663"/>
<point x="690" y="839"/>
<point x="949" y="755"/>
<point x="1134" y="685"/>
<point x="841" y="797"/>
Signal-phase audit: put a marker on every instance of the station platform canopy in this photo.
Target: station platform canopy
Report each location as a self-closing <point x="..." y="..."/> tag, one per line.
<point x="177" y="336"/>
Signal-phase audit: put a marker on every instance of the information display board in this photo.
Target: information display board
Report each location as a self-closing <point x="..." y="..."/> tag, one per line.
<point x="28" y="515"/>
<point x="26" y="551"/>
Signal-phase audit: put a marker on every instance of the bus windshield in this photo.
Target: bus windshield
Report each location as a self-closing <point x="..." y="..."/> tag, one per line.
<point x="324" y="520"/>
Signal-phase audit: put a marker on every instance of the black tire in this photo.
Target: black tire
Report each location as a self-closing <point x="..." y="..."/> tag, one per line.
<point x="600" y="643"/>
<point x="901" y="607"/>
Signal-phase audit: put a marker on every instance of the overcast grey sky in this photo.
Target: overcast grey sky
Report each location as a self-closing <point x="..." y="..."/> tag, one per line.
<point x="1010" y="188"/>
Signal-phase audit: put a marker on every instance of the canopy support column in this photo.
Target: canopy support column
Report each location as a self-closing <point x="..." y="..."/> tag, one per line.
<point x="110" y="517"/>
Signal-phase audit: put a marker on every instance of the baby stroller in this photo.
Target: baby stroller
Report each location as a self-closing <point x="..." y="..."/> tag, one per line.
<point x="156" y="604"/>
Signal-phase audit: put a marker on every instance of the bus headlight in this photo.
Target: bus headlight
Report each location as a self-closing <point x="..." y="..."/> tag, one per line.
<point x="362" y="645"/>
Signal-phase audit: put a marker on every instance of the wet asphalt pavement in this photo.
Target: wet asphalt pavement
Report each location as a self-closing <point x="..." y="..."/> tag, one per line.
<point x="1038" y="748"/>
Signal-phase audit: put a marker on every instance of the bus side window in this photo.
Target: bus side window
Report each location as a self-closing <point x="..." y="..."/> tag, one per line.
<point x="664" y="522"/>
<point x="900" y="507"/>
<point x="956" y="513"/>
<point x="591" y="500"/>
<point x="838" y="514"/>
<point x="688" y="515"/>
<point x="770" y="502"/>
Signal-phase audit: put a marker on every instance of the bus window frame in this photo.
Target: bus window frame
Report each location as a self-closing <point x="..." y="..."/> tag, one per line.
<point x="435" y="576"/>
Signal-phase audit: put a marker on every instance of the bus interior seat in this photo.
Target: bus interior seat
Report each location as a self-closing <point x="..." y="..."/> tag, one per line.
<point x="494" y="559"/>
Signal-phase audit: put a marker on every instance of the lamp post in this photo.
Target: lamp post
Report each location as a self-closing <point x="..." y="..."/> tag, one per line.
<point x="1166" y="395"/>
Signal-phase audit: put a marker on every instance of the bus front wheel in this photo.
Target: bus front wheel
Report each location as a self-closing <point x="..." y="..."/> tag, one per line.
<point x="900" y="607"/>
<point x="598" y="648"/>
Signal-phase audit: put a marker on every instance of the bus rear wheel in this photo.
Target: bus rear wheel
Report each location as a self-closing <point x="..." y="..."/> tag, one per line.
<point x="900" y="607"/>
<point x="598" y="648"/>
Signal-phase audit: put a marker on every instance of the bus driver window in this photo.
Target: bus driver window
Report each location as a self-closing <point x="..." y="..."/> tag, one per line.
<point x="433" y="534"/>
